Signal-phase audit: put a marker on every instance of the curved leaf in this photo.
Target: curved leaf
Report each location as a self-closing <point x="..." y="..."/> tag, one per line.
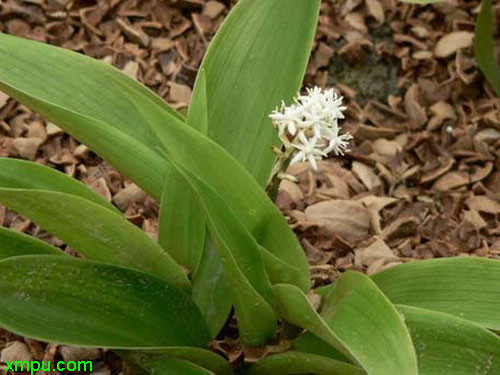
<point x="201" y="357"/>
<point x="94" y="231"/>
<point x="171" y="366"/>
<point x="182" y="223"/>
<point x="366" y="324"/>
<point x="240" y="253"/>
<point x="355" y="304"/>
<point x="45" y="78"/>
<point x="211" y="290"/>
<point x="14" y="243"/>
<point x="466" y="287"/>
<point x="223" y="174"/>
<point x="297" y="363"/>
<point x="21" y="174"/>
<point x="74" y="82"/>
<point x="257" y="59"/>
<point x="294" y="307"/>
<point x="447" y="345"/>
<point x="484" y="46"/>
<point x="312" y="344"/>
<point x="85" y="303"/>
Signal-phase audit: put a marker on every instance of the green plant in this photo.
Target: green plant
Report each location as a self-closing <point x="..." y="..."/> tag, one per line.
<point x="209" y="170"/>
<point x="484" y="46"/>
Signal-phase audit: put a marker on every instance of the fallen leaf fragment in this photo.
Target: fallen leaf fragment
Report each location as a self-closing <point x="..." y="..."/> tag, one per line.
<point x="347" y="219"/>
<point x="482" y="203"/>
<point x="452" y="42"/>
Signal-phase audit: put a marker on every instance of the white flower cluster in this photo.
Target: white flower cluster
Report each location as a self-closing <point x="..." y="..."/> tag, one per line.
<point x="310" y="128"/>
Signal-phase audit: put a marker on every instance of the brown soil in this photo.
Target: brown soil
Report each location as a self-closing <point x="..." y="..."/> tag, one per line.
<point x="423" y="177"/>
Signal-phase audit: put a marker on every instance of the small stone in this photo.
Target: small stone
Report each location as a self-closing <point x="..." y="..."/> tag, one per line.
<point x="213" y="9"/>
<point x="203" y="24"/>
<point x="131" y="194"/>
<point x="70" y="353"/>
<point x="162" y="44"/>
<point x="376" y="10"/>
<point x="53" y="130"/>
<point x="81" y="152"/>
<point x="3" y="99"/>
<point x="18" y="124"/>
<point x="37" y="130"/>
<point x="131" y="69"/>
<point x="27" y="147"/>
<point x="452" y="42"/>
<point x="180" y="93"/>
<point x="100" y="186"/>
<point x="16" y="351"/>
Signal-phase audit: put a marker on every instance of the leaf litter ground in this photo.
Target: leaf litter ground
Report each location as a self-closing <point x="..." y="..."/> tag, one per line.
<point x="422" y="180"/>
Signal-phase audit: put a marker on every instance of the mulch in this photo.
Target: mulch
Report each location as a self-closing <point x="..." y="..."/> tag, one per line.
<point x="423" y="177"/>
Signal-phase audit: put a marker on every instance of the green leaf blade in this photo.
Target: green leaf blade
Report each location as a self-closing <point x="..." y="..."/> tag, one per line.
<point x="93" y="112"/>
<point x="368" y="326"/>
<point x="484" y="46"/>
<point x="441" y="285"/>
<point x="211" y="290"/>
<point x="74" y="82"/>
<point x="96" y="232"/>
<point x="171" y="366"/>
<point x="243" y="264"/>
<point x="182" y="223"/>
<point x="201" y="357"/>
<point x="85" y="303"/>
<point x="13" y="243"/>
<point x="224" y="175"/>
<point x="382" y="344"/>
<point x="296" y="363"/>
<point x="257" y="59"/>
<point x="447" y="345"/>
<point x="21" y="174"/>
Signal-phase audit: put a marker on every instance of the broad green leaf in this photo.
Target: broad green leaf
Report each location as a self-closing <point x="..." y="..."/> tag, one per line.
<point x="182" y="224"/>
<point x="84" y="303"/>
<point x="14" y="243"/>
<point x="21" y="174"/>
<point x="465" y="287"/>
<point x="211" y="290"/>
<point x="243" y="264"/>
<point x="294" y="307"/>
<point x="382" y="344"/>
<point x="74" y="82"/>
<point x="171" y="366"/>
<point x="201" y="357"/>
<point x="368" y="325"/>
<point x="197" y="116"/>
<point x="312" y="344"/>
<point x="256" y="60"/>
<point x="296" y="363"/>
<point x="74" y="91"/>
<point x="94" y="231"/>
<point x="212" y="165"/>
<point x="484" y="46"/>
<point x="447" y="345"/>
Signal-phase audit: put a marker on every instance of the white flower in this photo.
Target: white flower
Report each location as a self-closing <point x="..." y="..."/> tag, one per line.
<point x="308" y="150"/>
<point x="309" y="127"/>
